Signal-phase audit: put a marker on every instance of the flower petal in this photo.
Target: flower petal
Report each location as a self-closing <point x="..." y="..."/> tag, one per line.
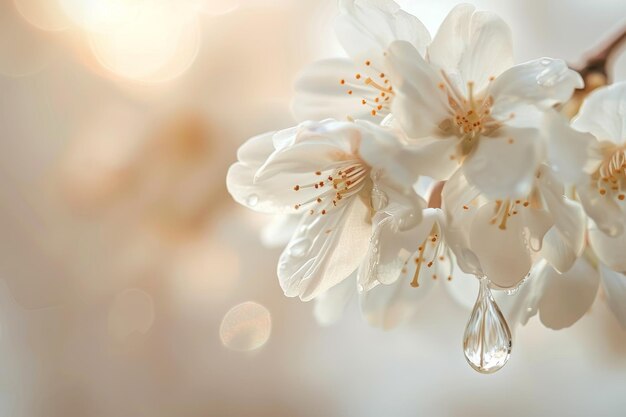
<point x="566" y="240"/>
<point x="610" y="250"/>
<point x="502" y="252"/>
<point x="330" y="305"/>
<point x="614" y="284"/>
<point x="505" y="165"/>
<point x="325" y="249"/>
<point x="567" y="297"/>
<point x="570" y="152"/>
<point x="365" y="28"/>
<point x="279" y="230"/>
<point x="603" y="113"/>
<point x="419" y="104"/>
<point x="385" y="150"/>
<point x="472" y="46"/>
<point x="605" y="212"/>
<point x="542" y="82"/>
<point x="240" y="177"/>
<point x="392" y="248"/>
<point x="386" y="306"/>
<point x="322" y="91"/>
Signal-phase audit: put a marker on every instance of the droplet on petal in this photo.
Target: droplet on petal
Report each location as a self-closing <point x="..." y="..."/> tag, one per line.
<point x="252" y="200"/>
<point x="554" y="72"/>
<point x="380" y="200"/>
<point x="487" y="341"/>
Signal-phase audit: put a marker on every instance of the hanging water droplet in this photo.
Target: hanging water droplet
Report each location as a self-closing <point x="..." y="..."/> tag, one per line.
<point x="299" y="247"/>
<point x="380" y="200"/>
<point x="252" y="200"/>
<point x="487" y="340"/>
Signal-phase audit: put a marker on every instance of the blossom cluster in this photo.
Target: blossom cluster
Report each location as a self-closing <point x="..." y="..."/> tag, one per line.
<point x="421" y="159"/>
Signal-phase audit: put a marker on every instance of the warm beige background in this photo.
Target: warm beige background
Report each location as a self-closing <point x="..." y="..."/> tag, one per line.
<point x="121" y="252"/>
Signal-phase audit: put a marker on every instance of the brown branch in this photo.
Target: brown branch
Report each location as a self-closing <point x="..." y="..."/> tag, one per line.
<point x="599" y="62"/>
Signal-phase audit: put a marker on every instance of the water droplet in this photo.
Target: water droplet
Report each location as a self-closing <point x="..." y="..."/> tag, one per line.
<point x="375" y="249"/>
<point x="299" y="247"/>
<point x="380" y="200"/>
<point x="487" y="341"/>
<point x="252" y="200"/>
<point x="554" y="72"/>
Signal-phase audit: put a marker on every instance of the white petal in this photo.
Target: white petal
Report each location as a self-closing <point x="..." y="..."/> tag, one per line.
<point x="567" y="297"/>
<point x="330" y="305"/>
<point x="604" y="211"/>
<point x="543" y="82"/>
<point x="240" y="177"/>
<point x="473" y="45"/>
<point x="614" y="284"/>
<point x="434" y="156"/>
<point x="365" y="28"/>
<point x="603" y="113"/>
<point x="385" y="150"/>
<point x="502" y="252"/>
<point x="505" y="165"/>
<point x="610" y="250"/>
<point x="386" y="306"/>
<point x="279" y="230"/>
<point x="392" y="248"/>
<point x="566" y="240"/>
<point x="320" y="94"/>
<point x="325" y="249"/>
<point x="570" y="152"/>
<point x="419" y="105"/>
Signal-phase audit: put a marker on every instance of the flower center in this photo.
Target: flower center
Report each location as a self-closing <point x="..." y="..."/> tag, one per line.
<point x="470" y="116"/>
<point x="334" y="185"/>
<point x="610" y="176"/>
<point x="378" y="87"/>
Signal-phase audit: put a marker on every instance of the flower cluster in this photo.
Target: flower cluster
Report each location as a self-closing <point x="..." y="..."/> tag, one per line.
<point x="421" y="159"/>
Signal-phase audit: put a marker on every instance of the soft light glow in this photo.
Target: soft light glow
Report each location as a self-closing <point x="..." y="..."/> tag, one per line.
<point x="103" y="15"/>
<point x="160" y="44"/>
<point x="43" y="14"/>
<point x="203" y="271"/>
<point x="23" y="50"/>
<point x="132" y="311"/>
<point x="214" y="7"/>
<point x="246" y="326"/>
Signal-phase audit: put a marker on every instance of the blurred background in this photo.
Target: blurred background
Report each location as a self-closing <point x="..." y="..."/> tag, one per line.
<point x="131" y="284"/>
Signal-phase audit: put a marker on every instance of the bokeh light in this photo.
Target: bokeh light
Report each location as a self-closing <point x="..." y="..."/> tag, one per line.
<point x="43" y="14"/>
<point x="247" y="326"/>
<point x="158" y="45"/>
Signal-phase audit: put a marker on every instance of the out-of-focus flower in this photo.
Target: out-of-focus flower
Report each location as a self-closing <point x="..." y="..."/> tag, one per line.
<point x="332" y="172"/>
<point x="470" y="109"/>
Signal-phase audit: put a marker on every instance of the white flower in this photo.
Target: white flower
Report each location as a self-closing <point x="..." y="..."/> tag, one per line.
<point x="593" y="160"/>
<point x="336" y="175"/>
<point x="501" y="239"/>
<point x="469" y="109"/>
<point x="601" y="184"/>
<point x="358" y="87"/>
<point x="397" y="277"/>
